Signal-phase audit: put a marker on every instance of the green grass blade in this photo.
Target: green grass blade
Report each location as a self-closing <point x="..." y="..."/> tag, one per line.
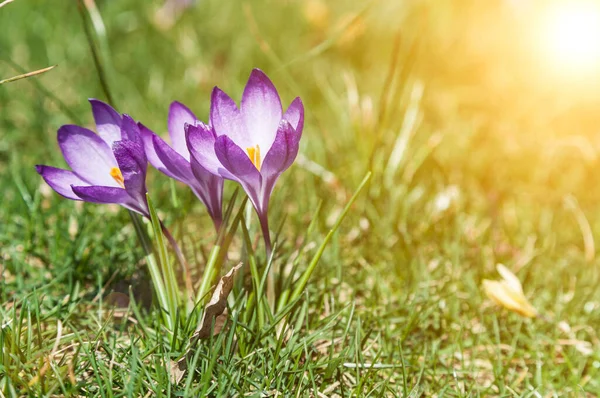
<point x="301" y="284"/>
<point x="167" y="271"/>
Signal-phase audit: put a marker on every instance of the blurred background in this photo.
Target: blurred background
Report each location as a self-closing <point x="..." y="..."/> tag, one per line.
<point x="510" y="86"/>
<point x="487" y="107"/>
<point x="479" y="119"/>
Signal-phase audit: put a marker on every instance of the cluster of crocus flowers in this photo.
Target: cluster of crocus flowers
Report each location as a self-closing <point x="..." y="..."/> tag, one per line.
<point x="251" y="144"/>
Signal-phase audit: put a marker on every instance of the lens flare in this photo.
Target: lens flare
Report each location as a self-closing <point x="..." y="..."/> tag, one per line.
<point x="571" y="34"/>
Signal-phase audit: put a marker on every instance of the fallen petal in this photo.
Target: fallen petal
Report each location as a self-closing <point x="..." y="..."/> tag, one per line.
<point x="508" y="293"/>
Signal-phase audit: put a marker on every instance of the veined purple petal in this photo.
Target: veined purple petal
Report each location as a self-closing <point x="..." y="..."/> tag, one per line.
<point x="148" y="141"/>
<point x="283" y="151"/>
<point x="201" y="143"/>
<point x="130" y="129"/>
<point x="238" y="165"/>
<point x="295" y="114"/>
<point x="261" y="111"/>
<point x="281" y="156"/>
<point x="108" y="121"/>
<point x="209" y="189"/>
<point x="87" y="154"/>
<point x="102" y="194"/>
<point x="60" y="180"/>
<point x="179" y="116"/>
<point x="203" y="176"/>
<point x="133" y="165"/>
<point x="235" y="160"/>
<point x="177" y="165"/>
<point x="226" y="119"/>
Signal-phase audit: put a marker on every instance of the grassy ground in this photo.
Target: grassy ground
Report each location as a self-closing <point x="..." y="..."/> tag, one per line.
<point x="481" y="154"/>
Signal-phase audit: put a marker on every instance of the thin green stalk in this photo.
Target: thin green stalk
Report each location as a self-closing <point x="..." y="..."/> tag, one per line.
<point x="301" y="284"/>
<point x="159" y="286"/>
<point x="187" y="277"/>
<point x="167" y="270"/>
<point x="155" y="275"/>
<point x="256" y="281"/>
<point x="95" y="55"/>
<point x="219" y="250"/>
<point x="209" y="272"/>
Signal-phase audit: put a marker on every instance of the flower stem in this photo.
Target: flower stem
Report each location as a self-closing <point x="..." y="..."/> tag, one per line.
<point x="168" y="274"/>
<point x="218" y="253"/>
<point x="153" y="268"/>
<point x="264" y="225"/>
<point x="95" y="53"/>
<point x="187" y="277"/>
<point x="209" y="273"/>
<point x="267" y="236"/>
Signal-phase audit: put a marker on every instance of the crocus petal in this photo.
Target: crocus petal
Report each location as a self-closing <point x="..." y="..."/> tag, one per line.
<point x="502" y="294"/>
<point x="283" y="151"/>
<point x="60" y="180"/>
<point x="179" y="116"/>
<point x="295" y="114"/>
<point x="509" y="293"/>
<point x="261" y="110"/>
<point x="177" y="165"/>
<point x="280" y="157"/>
<point x="108" y="121"/>
<point x="236" y="162"/>
<point x="101" y="194"/>
<point x="148" y="141"/>
<point x="510" y="278"/>
<point x="133" y="165"/>
<point x="226" y="119"/>
<point x="87" y="154"/>
<point x="201" y="143"/>
<point x="209" y="189"/>
<point x="130" y="129"/>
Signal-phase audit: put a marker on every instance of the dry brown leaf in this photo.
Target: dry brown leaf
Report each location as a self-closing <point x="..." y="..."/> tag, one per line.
<point x="177" y="370"/>
<point x="215" y="309"/>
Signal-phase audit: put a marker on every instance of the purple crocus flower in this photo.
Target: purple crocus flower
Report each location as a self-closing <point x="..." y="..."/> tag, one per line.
<point x="176" y="163"/>
<point x="108" y="167"/>
<point x="252" y="144"/>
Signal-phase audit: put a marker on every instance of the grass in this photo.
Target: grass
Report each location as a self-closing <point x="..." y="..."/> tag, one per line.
<point x="479" y="155"/>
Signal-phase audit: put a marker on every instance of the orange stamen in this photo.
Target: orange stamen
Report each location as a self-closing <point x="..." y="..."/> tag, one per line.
<point x="116" y="174"/>
<point x="254" y="155"/>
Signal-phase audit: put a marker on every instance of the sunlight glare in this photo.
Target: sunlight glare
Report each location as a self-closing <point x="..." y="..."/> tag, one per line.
<point x="572" y="34"/>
